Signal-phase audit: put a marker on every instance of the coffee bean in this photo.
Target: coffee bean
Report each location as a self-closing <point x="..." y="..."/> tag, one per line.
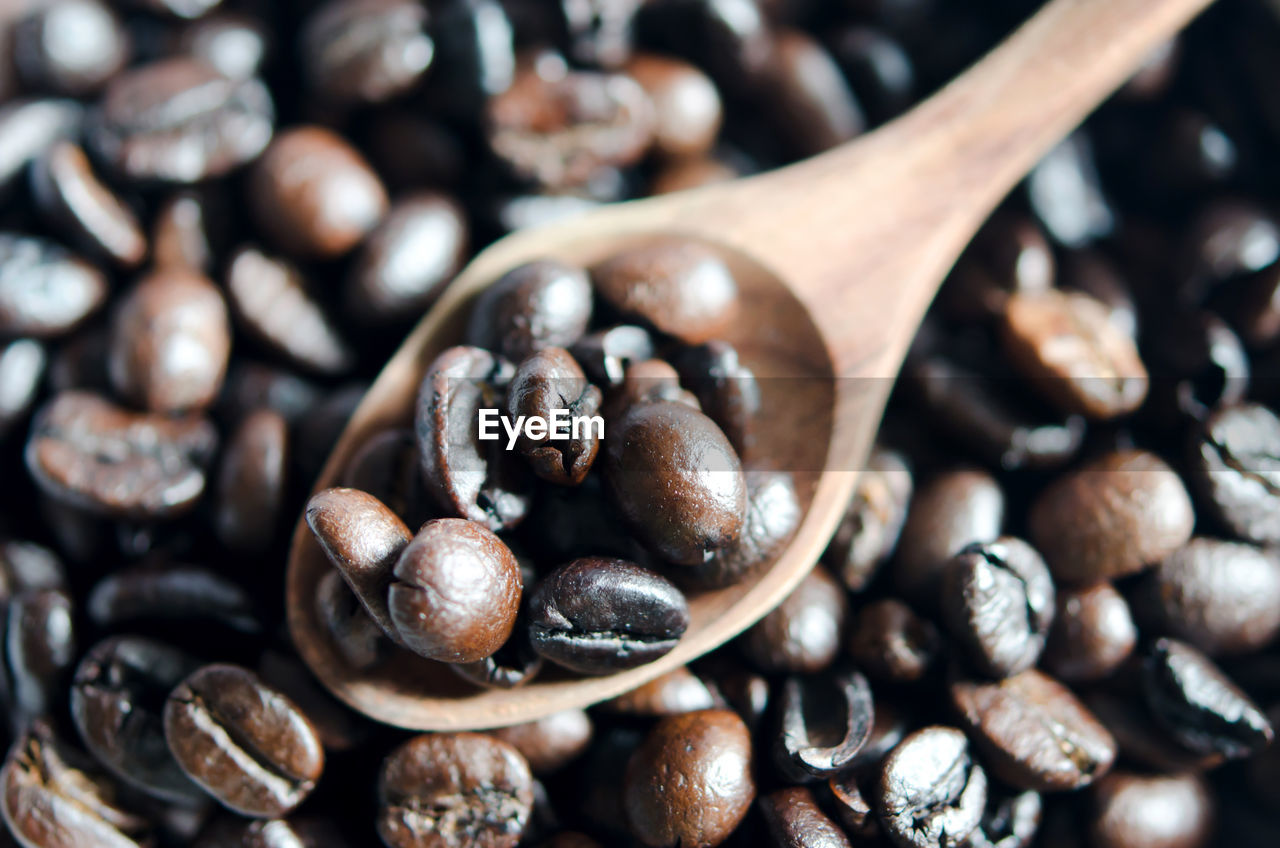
<point x="235" y="44"/>
<point x="251" y="482"/>
<point x="30" y="127"/>
<point x="1066" y="195"/>
<point x="26" y="565"/>
<point x="725" y="387"/>
<point x="92" y="455"/>
<point x="537" y="305"/>
<point x="72" y="200"/>
<point x="1229" y="237"/>
<point x="868" y="533"/>
<point x="773" y="514"/>
<point x="931" y="793"/>
<point x="339" y="729"/>
<point x="22" y="369"/>
<point x="606" y="354"/>
<point x="314" y="195"/>
<point x="678" y="691"/>
<point x="1154" y="811"/>
<point x="686" y="105"/>
<point x="452" y="790"/>
<point x="250" y="386"/>
<point x="689" y="782"/>
<point x="547" y="384"/>
<point x="890" y="642"/>
<point x="1139" y="739"/>
<point x="358" y="640"/>
<point x="455" y="593"/>
<point x="806" y="95"/>
<point x="244" y="743"/>
<point x="878" y="67"/>
<point x="954" y="509"/>
<point x="366" y="51"/>
<point x="175" y="591"/>
<point x="549" y="744"/>
<point x="1194" y="701"/>
<point x="1009" y="254"/>
<point x="824" y="723"/>
<point x="1092" y="634"/>
<point x="1199" y="364"/>
<point x="730" y="36"/>
<point x="181" y="234"/>
<point x="39" y="648"/>
<point x="1011" y="820"/>
<point x="597" y="615"/>
<point x="179" y="120"/>
<point x="648" y="381"/>
<point x="851" y="807"/>
<point x="1096" y="276"/>
<point x="1113" y="517"/>
<point x="387" y="466"/>
<point x="475" y="54"/>
<point x="44" y="290"/>
<point x="170" y="342"/>
<point x="1033" y="732"/>
<point x="1234" y="468"/>
<point x="681" y="287"/>
<point x="802" y="634"/>
<point x="795" y="820"/>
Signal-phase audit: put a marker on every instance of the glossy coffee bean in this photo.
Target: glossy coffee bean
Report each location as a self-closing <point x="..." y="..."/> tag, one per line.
<point x="804" y="633"/>
<point x="357" y="638"/>
<point x="1154" y="811"/>
<point x="1011" y="820"/>
<point x="850" y="806"/>
<point x="26" y="565"/>
<point x="244" y="743"/>
<point x="1033" y="733"/>
<point x="93" y="455"/>
<point x="1198" y="363"/>
<point x="453" y="790"/>
<point x="1066" y="194"/>
<point x="998" y="602"/>
<point x="387" y="466"/>
<point x="45" y="291"/>
<point x="1008" y="255"/>
<point x="540" y="304"/>
<point x="868" y="533"/>
<point x="1113" y="517"/>
<point x="878" y="68"/>
<point x="678" y="691"/>
<point x="1092" y="635"/>
<point x="677" y="480"/>
<point x="773" y="514"/>
<point x="951" y="511"/>
<point x="475" y="54"/>
<point x="681" y="287"/>
<point x="28" y="128"/>
<point x="597" y="615"/>
<point x="455" y="592"/>
<point x="606" y="354"/>
<point x="549" y="744"/>
<point x="807" y="97"/>
<point x="115" y="704"/>
<point x="314" y="195"/>
<point x="70" y="47"/>
<point x="156" y="591"/>
<point x="1229" y="237"/>
<point x="687" y="109"/>
<point x="824" y="722"/>
<point x="1234" y="469"/>
<point x="237" y="45"/>
<point x="22" y="369"/>
<point x="170" y="342"/>
<point x="73" y="201"/>
<point x="794" y="819"/>
<point x="648" y="381"/>
<point x="548" y="384"/>
<point x="930" y="792"/>
<point x="179" y="120"/>
<point x="251" y="482"/>
<point x="39" y="649"/>
<point x="689" y="782"/>
<point x="181" y="233"/>
<point x="891" y="642"/>
<point x="252" y="385"/>
<point x="365" y="51"/>
<point x="1097" y="276"/>
<point x="731" y="36"/>
<point x="725" y="387"/>
<point x="1139" y="739"/>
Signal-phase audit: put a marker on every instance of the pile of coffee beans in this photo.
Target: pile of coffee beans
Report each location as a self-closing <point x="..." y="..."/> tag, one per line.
<point x="1049" y="617"/>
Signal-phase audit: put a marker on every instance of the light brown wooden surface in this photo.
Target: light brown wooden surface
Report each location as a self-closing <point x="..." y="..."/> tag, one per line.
<point x="839" y="257"/>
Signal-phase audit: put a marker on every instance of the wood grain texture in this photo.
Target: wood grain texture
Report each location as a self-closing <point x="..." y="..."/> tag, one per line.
<point x="839" y="256"/>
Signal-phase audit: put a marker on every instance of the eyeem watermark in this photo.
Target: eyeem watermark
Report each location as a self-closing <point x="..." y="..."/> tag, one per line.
<point x="561" y="427"/>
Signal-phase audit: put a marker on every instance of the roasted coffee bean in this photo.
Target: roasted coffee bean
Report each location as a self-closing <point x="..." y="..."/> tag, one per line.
<point x="795" y="820"/>
<point x="731" y="36"/>
<point x="26" y="565"/>
<point x="678" y="691"/>
<point x="244" y="743"/>
<point x="773" y="514"/>
<point x="116" y="700"/>
<point x="475" y="54"/>
<point x="1066" y="194"/>
<point x="44" y="290"/>
<point x="1194" y="701"/>
<point x="179" y="120"/>
<point x="1154" y="811"/>
<point x="597" y="615"/>
<point x="686" y="105"/>
<point x="537" y="305"/>
<point x="92" y="455"/>
<point x="1009" y="254"/>
<point x="547" y="385"/>
<point x="339" y="728"/>
<point x="806" y="96"/>
<point x="455" y="592"/>
<point x="725" y="387"/>
<point x="868" y="533"/>
<point x="606" y="354"/>
<point x="39" y="648"/>
<point x="234" y="44"/>
<point x="890" y="642"/>
<point x="1010" y="821"/>
<point x="677" y="480"/>
<point x="954" y="509"/>
<point x="30" y="127"/>
<point x="180" y="234"/>
<point x="1033" y="733"/>
<point x="251" y="482"/>
<point x="804" y="633"/>
<point x="851" y="807"/>
<point x="170" y="342"/>
<point x="1092" y="634"/>
<point x="22" y="369"/>
<point x="366" y="51"/>
<point x="824" y="723"/>
<point x="512" y="665"/>
<point x="878" y="68"/>
<point x="689" y="782"/>
<point x="1265" y="767"/>
<point x="53" y="797"/>
<point x="452" y="790"/>
<point x="931" y="794"/>
<point x="408" y="259"/>
<point x="1198" y="363"/>
<point x="387" y="466"/>
<point x="550" y="743"/>
<point x="1113" y="517"/>
<point x="648" y="381"/>
<point x="71" y="200"/>
<point x="1096" y="276"/>
<point x="1140" y="740"/>
<point x="175" y="591"/>
<point x="355" y="635"/>
<point x="998" y="602"/>
<point x="1234" y="467"/>
<point x="318" y="432"/>
<point x="314" y="195"/>
<point x="1072" y="354"/>
<point x="681" y="287"/>
<point x="1228" y="238"/>
<point x="467" y="477"/>
<point x="250" y="386"/>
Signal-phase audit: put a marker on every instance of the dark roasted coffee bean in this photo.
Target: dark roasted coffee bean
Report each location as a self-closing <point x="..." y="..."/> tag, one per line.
<point x="868" y="533"/>
<point x="689" y="782"/>
<point x="455" y="592"/>
<point x="179" y="120"/>
<point x="318" y="432"/>
<point x="1092" y="634"/>
<point x="795" y="820"/>
<point x="1193" y="700"/>
<point x="157" y="591"/>
<point x="1264" y="768"/>
<point x="1007" y="256"/>
<point x="26" y="565"/>
<point x="39" y="648"/>
<point x="170" y="342"/>
<point x="22" y="369"/>
<point x="250" y="386"/>
<point x="931" y="794"/>
<point x="686" y="105"/>
<point x="1113" y="517"/>
<point x="92" y="455"/>
<point x="1235" y="468"/>
<point x="1095" y="275"/>
<point x="679" y="286"/>
<point x="773" y="514"/>
<point x="73" y="201"/>
<point x="600" y="31"/>
<point x="355" y="635"/>
<point x="606" y="354"/>
<point x="537" y="305"/>
<point x="53" y="797"/>
<point x="1198" y="364"/>
<point x="251" y="482"/>
<point x="824" y="723"/>
<point x="878" y="68"/>
<point x="998" y="602"/>
<point x="1033" y="732"/>
<point x="366" y="51"/>
<point x="1011" y="820"/>
<point x="387" y="466"/>
<point x="725" y="387"/>
<point x="453" y="790"/>
<point x="236" y="45"/>
<point x="1153" y="811"/>
<point x="1228" y="238"/>
<point x="475" y="54"/>
<point x="116" y="700"/>
<point x="44" y="290"/>
<point x="1251" y="307"/>
<point x="677" y="480"/>
<point x="181" y="234"/>
<point x="804" y="633"/>
<point x="314" y="194"/>
<point x="1139" y="739"/>
<point x="678" y="691"/>
<point x="550" y="743"/>
<point x="890" y="642"/>
<point x="468" y="478"/>
<point x="731" y="36"/>
<point x="851" y="807"/>
<point x="547" y="385"/>
<point x="1066" y="195"/>
<point x="806" y="96"/>
<point x="597" y="615"/>
<point x="954" y="509"/>
<point x="339" y="728"/>
<point x="244" y="743"/>
<point x="30" y="127"/>
<point x="648" y="381"/>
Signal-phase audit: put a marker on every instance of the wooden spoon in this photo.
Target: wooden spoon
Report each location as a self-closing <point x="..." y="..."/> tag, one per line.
<point x="838" y="257"/>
